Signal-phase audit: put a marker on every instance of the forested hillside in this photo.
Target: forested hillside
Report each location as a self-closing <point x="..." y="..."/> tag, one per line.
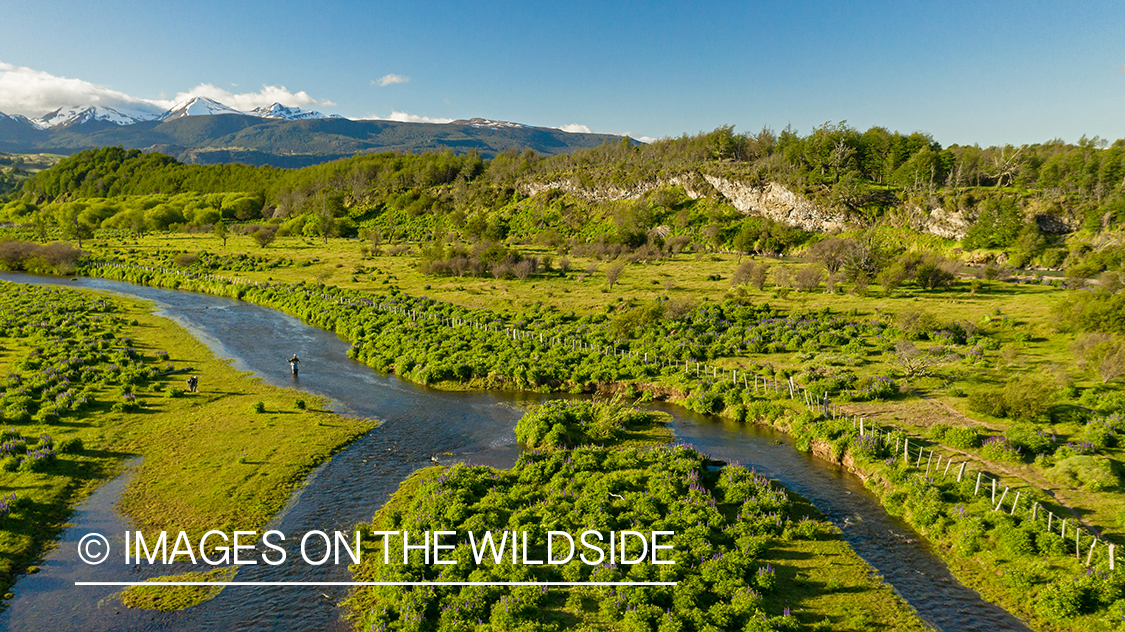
<point x="1049" y="205"/>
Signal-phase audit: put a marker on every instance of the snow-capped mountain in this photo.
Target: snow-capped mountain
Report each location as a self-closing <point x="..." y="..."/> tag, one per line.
<point x="85" y="113"/>
<point x="487" y="123"/>
<point x="197" y="106"/>
<point x="19" y="118"/>
<point x="279" y="111"/>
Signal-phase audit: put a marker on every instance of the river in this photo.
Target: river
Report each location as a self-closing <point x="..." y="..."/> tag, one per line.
<point x="420" y="423"/>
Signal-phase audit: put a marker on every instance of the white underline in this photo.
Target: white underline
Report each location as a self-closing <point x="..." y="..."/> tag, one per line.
<point x="158" y="583"/>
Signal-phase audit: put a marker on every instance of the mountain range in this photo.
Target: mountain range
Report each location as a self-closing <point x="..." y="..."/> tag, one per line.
<point x="202" y="130"/>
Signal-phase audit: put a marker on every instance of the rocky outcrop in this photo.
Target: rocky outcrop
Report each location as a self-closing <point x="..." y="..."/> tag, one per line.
<point x="780" y="204"/>
<point x="774" y="200"/>
<point x="938" y="221"/>
<point x="592" y="193"/>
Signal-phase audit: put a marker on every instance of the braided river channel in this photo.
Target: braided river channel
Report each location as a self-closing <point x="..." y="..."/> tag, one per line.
<point x="419" y="425"/>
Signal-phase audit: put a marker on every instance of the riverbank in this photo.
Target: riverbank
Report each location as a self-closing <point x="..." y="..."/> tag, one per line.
<point x="103" y="377"/>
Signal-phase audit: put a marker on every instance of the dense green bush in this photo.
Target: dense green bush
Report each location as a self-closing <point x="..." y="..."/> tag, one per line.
<point x="954" y="436"/>
<point x="723" y="520"/>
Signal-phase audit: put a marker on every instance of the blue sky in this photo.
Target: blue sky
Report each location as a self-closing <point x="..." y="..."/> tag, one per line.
<point x="983" y="72"/>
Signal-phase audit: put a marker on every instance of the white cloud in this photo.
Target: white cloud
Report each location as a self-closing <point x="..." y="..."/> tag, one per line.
<point x="403" y="117"/>
<point x="34" y="93"/>
<point x="389" y="80"/>
<point x="575" y="128"/>
<point x="265" y="97"/>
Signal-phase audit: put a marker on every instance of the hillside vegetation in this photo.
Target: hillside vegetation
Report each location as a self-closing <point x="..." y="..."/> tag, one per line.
<point x="1051" y="205"/>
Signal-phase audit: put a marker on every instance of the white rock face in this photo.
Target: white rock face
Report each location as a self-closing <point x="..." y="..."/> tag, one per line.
<point x="780" y="204"/>
<point x="774" y="201"/>
<point x="939" y="221"/>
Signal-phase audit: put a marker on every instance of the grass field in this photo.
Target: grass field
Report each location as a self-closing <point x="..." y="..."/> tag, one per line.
<point x="208" y="461"/>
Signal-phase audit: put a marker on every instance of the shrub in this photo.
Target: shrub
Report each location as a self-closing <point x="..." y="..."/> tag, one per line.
<point x="1031" y="441"/>
<point x="1063" y="599"/>
<point x="72" y="445"/>
<point x="260" y="407"/>
<point x="1092" y="473"/>
<point x="766" y="578"/>
<point x="185" y="259"/>
<point x="1099" y="433"/>
<point x="954" y="436"/>
<point x="1028" y="399"/>
<point x="962" y="438"/>
<point x="987" y="402"/>
<point x="1013" y="540"/>
<point x="1000" y="449"/>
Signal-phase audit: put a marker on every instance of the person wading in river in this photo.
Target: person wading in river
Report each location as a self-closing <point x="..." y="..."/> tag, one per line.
<point x="293" y="362"/>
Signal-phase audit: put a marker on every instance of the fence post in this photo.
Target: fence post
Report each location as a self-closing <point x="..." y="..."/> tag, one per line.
<point x="919" y="463"/>
<point x="1090" y="555"/>
<point x="1014" y="503"/>
<point x="930" y="460"/>
<point x="961" y="471"/>
<point x="999" y="504"/>
<point x="993" y="490"/>
<point x="977" y="489"/>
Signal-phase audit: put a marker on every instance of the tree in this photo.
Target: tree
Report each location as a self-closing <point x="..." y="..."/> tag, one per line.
<point x="893" y="276"/>
<point x="613" y="273"/>
<point x="222" y="232"/>
<point x="325" y="208"/>
<point x="1102" y="352"/>
<point x="831" y="252"/>
<point x="741" y="275"/>
<point x="71" y="217"/>
<point x="758" y="275"/>
<point x="915" y="362"/>
<point x="265" y="235"/>
<point x="935" y="271"/>
<point x="862" y="258"/>
<point x="808" y="278"/>
<point x="744" y="241"/>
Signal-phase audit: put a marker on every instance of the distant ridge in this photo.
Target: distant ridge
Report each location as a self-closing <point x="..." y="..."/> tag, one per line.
<point x="202" y="130"/>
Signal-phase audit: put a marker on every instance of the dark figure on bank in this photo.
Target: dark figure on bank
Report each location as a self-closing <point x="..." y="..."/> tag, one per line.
<point x="293" y="362"/>
<point x="193" y="384"/>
